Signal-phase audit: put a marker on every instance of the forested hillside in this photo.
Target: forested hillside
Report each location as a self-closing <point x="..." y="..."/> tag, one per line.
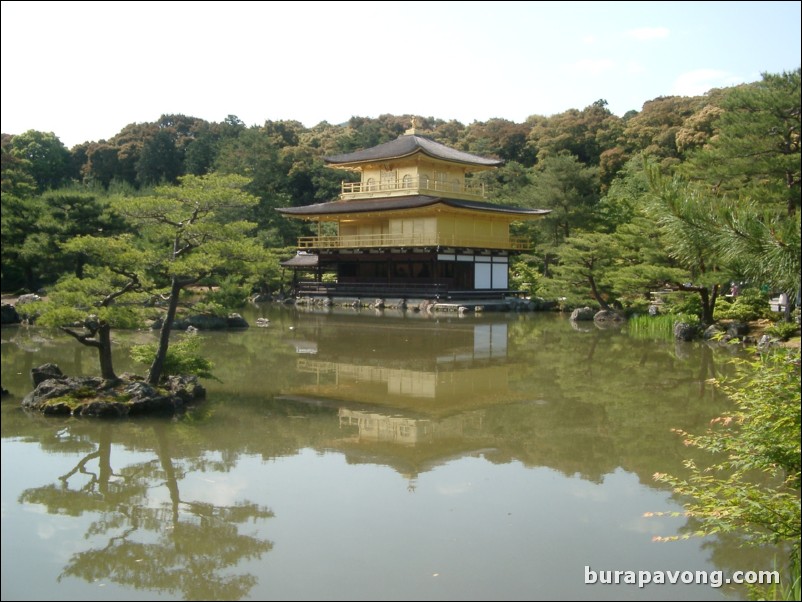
<point x="690" y="193"/>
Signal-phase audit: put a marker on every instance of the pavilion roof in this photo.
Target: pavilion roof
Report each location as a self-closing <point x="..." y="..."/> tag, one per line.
<point x="409" y="144"/>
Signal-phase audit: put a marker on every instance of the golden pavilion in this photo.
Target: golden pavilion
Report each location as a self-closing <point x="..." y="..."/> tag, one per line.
<point x="415" y="225"/>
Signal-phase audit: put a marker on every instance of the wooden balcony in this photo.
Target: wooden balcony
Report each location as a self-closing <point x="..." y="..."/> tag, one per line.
<point x="412" y="185"/>
<point x="376" y="241"/>
<point x="437" y="291"/>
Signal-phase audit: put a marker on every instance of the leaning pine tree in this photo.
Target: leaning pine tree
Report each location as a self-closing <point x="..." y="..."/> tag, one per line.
<point x="193" y="231"/>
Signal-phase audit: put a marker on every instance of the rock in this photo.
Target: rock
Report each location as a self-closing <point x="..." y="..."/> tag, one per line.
<point x="45" y="372"/>
<point x="201" y="322"/>
<point x="262" y="322"/>
<point x="29" y="298"/>
<point x="102" y="409"/>
<point x="159" y="404"/>
<point x="608" y="315"/>
<point x="236" y="321"/>
<point x="8" y="314"/>
<point x="186" y="387"/>
<point x="737" y="330"/>
<point x="765" y="342"/>
<point x="712" y="332"/>
<point x="541" y="304"/>
<point x="684" y="331"/>
<point x="139" y="390"/>
<point x="581" y="314"/>
<point x="94" y="396"/>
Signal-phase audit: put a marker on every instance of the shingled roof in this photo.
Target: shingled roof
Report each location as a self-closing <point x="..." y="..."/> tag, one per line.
<point x="406" y="145"/>
<point x="405" y="202"/>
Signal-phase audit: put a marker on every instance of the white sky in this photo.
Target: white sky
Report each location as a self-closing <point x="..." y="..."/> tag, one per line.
<point x="84" y="70"/>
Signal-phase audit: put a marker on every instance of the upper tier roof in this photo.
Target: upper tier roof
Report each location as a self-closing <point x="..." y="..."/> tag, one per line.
<point x="407" y="145"/>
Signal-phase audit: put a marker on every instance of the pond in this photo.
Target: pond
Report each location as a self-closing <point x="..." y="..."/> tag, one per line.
<point x="357" y="456"/>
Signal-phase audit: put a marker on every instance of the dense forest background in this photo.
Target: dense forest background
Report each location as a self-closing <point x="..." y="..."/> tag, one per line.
<point x="689" y="193"/>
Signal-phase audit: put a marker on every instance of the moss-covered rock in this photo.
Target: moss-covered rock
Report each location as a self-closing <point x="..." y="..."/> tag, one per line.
<point x="129" y="395"/>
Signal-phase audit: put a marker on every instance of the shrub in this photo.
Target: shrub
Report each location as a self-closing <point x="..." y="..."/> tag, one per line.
<point x="229" y="295"/>
<point x="783" y="330"/>
<point x="684" y="304"/>
<point x="753" y="485"/>
<point x="183" y="357"/>
<point x="751" y="304"/>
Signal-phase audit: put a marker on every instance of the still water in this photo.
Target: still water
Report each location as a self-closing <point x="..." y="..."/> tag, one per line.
<point x="361" y="457"/>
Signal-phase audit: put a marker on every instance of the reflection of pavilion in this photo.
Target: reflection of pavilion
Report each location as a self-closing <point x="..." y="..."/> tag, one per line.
<point x="407" y="394"/>
<point x="407" y="430"/>
<point x="423" y="369"/>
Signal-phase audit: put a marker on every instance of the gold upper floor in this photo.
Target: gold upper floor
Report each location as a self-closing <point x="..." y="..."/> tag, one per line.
<point x="411" y="176"/>
<point x="399" y="185"/>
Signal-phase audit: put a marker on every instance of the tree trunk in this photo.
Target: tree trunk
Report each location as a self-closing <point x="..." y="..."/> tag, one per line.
<point x="30" y="279"/>
<point x="596" y="295"/>
<point x="156" y="368"/>
<point x="80" y="263"/>
<point x="166" y="461"/>
<point x="104" y="352"/>
<point x="708" y="300"/>
<point x="708" y="303"/>
<point x="711" y="306"/>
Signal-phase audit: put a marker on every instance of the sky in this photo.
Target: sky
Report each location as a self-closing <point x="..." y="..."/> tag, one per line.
<point x="85" y="70"/>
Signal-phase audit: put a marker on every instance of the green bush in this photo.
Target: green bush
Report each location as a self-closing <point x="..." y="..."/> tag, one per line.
<point x="682" y="303"/>
<point x="636" y="305"/>
<point x="524" y="276"/>
<point x="750" y="305"/>
<point x="183" y="357"/>
<point x="783" y="330"/>
<point x="752" y="486"/>
<point x="230" y="295"/>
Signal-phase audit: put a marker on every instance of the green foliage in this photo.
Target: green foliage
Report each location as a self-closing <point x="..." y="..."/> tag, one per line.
<point x="585" y="262"/>
<point x="783" y="330"/>
<point x="194" y="232"/>
<point x="524" y="274"/>
<point x="680" y="303"/>
<point x="183" y="358"/>
<point x="750" y="305"/>
<point x="756" y="152"/>
<point x="584" y="134"/>
<point x="46" y="159"/>
<point x="752" y="484"/>
<point x="210" y="308"/>
<point x="72" y="301"/>
<point x="657" y="328"/>
<point x="654" y="131"/>
<point x="230" y="294"/>
<point x="645" y="327"/>
<point x="567" y="187"/>
<point x="36" y="228"/>
<point x="634" y="306"/>
<point x="751" y="172"/>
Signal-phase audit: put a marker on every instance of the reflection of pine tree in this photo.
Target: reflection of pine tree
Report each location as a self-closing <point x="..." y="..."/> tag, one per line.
<point x="185" y="547"/>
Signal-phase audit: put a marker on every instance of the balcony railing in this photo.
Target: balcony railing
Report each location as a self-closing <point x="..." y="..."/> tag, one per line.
<point x="432" y="290"/>
<point x="414" y="185"/>
<point x="373" y="241"/>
